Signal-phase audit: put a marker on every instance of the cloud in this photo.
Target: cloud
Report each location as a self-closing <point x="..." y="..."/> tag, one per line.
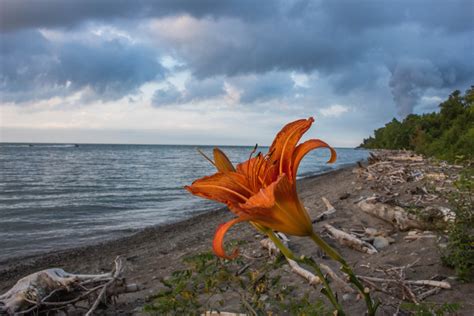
<point x="334" y="110"/>
<point x="194" y="91"/>
<point x="244" y="89"/>
<point x="17" y="15"/>
<point x="275" y="60"/>
<point x="352" y="47"/>
<point x="168" y="95"/>
<point x="409" y="80"/>
<point x="36" y="68"/>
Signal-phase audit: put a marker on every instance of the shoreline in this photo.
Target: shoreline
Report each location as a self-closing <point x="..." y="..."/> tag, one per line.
<point x="11" y="263"/>
<point x="155" y="253"/>
<point x="127" y="233"/>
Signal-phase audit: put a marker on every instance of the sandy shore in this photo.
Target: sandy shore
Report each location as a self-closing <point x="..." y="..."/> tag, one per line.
<point x="155" y="252"/>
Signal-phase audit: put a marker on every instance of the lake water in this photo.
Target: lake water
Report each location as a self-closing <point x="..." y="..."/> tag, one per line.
<point x="60" y="196"/>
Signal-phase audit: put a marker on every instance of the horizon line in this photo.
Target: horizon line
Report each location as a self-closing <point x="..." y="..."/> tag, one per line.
<point x="142" y="144"/>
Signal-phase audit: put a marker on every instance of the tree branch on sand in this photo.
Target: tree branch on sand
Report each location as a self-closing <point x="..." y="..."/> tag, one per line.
<point x="56" y="289"/>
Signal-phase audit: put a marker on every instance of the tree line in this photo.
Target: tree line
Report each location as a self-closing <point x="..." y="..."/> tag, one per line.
<point x="447" y="134"/>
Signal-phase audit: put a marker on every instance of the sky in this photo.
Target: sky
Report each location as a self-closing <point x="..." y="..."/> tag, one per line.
<point x="225" y="72"/>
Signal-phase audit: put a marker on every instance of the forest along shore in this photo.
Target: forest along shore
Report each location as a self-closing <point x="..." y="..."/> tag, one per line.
<point x="390" y="208"/>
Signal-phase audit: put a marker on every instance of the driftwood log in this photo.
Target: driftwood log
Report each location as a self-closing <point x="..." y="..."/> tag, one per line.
<point x="394" y="215"/>
<point x="56" y="289"/>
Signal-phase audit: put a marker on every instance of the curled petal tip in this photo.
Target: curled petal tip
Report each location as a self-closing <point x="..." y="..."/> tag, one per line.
<point x="333" y="157"/>
<point x="218" y="243"/>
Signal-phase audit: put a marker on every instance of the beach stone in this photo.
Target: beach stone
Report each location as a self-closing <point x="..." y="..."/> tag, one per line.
<point x="380" y="242"/>
<point x="344" y="196"/>
<point x="371" y="231"/>
<point x="346" y="297"/>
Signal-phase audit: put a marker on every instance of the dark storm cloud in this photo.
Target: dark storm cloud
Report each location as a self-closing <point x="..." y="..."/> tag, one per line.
<point x="353" y="44"/>
<point x="19" y="14"/>
<point x="349" y="59"/>
<point x="452" y="16"/>
<point x="33" y="68"/>
<point x="410" y="46"/>
<point x="457" y="15"/>
<point x="410" y="79"/>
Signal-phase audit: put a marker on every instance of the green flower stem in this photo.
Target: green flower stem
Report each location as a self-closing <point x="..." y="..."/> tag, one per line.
<point x="333" y="254"/>
<point x="308" y="261"/>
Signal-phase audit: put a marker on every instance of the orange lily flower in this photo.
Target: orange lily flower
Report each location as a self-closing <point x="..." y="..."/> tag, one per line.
<point x="262" y="190"/>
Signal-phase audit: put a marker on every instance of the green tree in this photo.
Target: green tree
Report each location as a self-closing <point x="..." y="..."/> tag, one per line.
<point x="448" y="134"/>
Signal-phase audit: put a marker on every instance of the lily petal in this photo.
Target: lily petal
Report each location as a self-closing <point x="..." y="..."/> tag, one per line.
<point x="221" y="161"/>
<point x="302" y="149"/>
<point x="277" y="207"/>
<point x="218" y="242"/>
<point x="226" y="187"/>
<point x="285" y="143"/>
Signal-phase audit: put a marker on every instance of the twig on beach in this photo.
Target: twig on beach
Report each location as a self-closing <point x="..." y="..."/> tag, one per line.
<point x="432" y="283"/>
<point x="397" y="286"/>
<point x="102" y="293"/>
<point x="329" y="210"/>
<point x="339" y="281"/>
<point x="349" y="240"/>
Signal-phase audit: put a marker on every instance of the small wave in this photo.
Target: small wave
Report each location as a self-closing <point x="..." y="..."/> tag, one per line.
<point x="321" y="170"/>
<point x="40" y="145"/>
<point x="14" y="146"/>
<point x="55" y="146"/>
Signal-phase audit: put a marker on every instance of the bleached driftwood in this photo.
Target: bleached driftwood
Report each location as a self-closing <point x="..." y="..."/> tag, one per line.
<point x="312" y="279"/>
<point x="436" y="176"/>
<point x="440" y="284"/>
<point x="329" y="207"/>
<point x="268" y="244"/>
<point x="351" y="241"/>
<point x="413" y="158"/>
<point x="56" y="288"/>
<point x="395" y="215"/>
<point x="440" y="212"/>
<point x="415" y="235"/>
<point x="340" y="282"/>
<point x="329" y="210"/>
<point x="295" y="267"/>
